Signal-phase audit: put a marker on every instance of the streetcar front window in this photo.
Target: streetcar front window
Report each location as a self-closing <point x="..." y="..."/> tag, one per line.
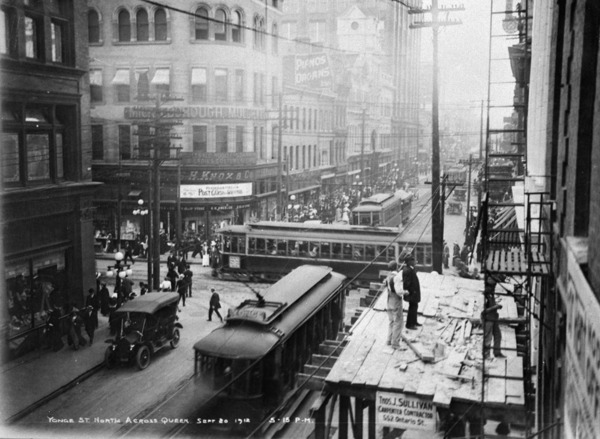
<point x="365" y="219"/>
<point x="252" y="246"/>
<point x="376" y="221"/>
<point x="381" y="253"/>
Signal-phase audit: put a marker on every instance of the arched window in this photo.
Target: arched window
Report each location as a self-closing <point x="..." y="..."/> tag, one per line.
<point x="124" y="26"/>
<point x="236" y="30"/>
<point x="141" y="25"/>
<point x="259" y="33"/>
<point x="93" y="26"/>
<point x="160" y="25"/>
<point x="201" y="24"/>
<point x="275" y="39"/>
<point x="220" y="25"/>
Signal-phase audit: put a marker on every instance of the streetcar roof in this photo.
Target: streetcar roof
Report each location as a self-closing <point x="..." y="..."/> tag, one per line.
<point x="149" y="303"/>
<point x="284" y="226"/>
<point x="301" y="293"/>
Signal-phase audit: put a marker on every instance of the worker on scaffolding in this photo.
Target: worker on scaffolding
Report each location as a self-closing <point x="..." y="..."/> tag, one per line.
<point x="489" y="319"/>
<point x="393" y="282"/>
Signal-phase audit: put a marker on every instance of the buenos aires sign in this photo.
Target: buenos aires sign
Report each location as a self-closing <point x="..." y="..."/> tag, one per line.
<point x="407" y="412"/>
<point x="216" y="190"/>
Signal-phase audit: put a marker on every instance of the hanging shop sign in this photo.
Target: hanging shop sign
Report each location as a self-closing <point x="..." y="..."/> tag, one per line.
<point x="216" y="190"/>
<point x="407" y="412"/>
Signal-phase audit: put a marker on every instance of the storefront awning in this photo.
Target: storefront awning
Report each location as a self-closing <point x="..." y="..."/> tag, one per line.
<point x="161" y="77"/>
<point x="121" y="77"/>
<point x="304" y="189"/>
<point x="356" y="171"/>
<point x="198" y="76"/>
<point x="327" y="176"/>
<point x="96" y="77"/>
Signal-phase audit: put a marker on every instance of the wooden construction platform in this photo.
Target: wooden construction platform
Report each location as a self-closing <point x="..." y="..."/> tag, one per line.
<point x="515" y="263"/>
<point x="438" y="364"/>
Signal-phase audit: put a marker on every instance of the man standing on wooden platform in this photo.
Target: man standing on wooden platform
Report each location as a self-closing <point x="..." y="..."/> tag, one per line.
<point x="394" y="306"/>
<point x="489" y="319"/>
<point x="412" y="291"/>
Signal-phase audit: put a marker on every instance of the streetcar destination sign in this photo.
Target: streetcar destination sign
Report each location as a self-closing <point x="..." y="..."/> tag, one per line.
<point x="406" y="412"/>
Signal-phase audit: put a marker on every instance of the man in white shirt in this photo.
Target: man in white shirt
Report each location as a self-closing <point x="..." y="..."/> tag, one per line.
<point x="393" y="285"/>
<point x="166" y="285"/>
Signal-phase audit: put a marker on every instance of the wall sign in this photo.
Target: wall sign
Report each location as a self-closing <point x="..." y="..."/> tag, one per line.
<point x="203" y="191"/>
<point x="405" y="411"/>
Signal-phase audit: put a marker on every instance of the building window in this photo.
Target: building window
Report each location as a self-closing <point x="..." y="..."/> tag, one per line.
<point x="316" y="31"/>
<point x="199" y="84"/>
<point x="297" y="156"/>
<point x="221" y="84"/>
<point x="309" y="119"/>
<point x="262" y="142"/>
<point x="239" y="139"/>
<point x="143" y="84"/>
<point x="284" y="117"/>
<point x="259" y="33"/>
<point x="97" y="142"/>
<point x="255" y="139"/>
<point x="220" y="25"/>
<point x="275" y="39"/>
<point x="124" y="26"/>
<point x="33" y="37"/>
<point x="142" y="25"/>
<point x="57" y="34"/>
<point x="125" y="142"/>
<point x="274" y="91"/>
<point x="221" y="138"/>
<point x="96" y="89"/>
<point x="236" y="29"/>
<point x="162" y="81"/>
<point x="33" y="144"/>
<point x="121" y="83"/>
<point x="199" y="142"/>
<point x="160" y="25"/>
<point x="93" y="26"/>
<point x="309" y="156"/>
<point x="304" y="119"/>
<point x="239" y="85"/>
<point x="201" y="24"/>
<point x="289" y="30"/>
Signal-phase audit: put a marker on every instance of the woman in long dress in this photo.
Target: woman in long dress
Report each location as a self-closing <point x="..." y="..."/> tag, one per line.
<point x="205" y="256"/>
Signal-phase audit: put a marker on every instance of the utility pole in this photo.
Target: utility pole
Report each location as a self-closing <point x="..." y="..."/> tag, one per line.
<point x="279" y="161"/>
<point x="362" y="153"/>
<point x="437" y="212"/>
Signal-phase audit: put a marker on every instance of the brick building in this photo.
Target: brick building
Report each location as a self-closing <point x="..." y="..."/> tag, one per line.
<point x="46" y="157"/>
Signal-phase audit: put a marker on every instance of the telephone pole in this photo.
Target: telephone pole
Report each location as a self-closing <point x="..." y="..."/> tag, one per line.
<point x="279" y="161"/>
<point x="437" y="212"/>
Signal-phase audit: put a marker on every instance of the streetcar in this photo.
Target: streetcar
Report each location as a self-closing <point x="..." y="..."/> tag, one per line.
<point x="385" y="209"/>
<point x="267" y="250"/>
<point x="253" y="359"/>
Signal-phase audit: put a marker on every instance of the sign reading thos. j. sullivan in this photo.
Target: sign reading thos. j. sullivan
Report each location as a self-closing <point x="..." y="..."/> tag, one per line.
<point x="404" y="411"/>
<point x="216" y="190"/>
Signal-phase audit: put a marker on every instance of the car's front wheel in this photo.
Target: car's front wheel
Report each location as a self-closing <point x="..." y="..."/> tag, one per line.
<point x="142" y="358"/>
<point x="175" y="338"/>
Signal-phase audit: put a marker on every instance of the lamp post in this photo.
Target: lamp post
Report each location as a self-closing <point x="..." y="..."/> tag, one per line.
<point x="144" y="213"/>
<point x="119" y="270"/>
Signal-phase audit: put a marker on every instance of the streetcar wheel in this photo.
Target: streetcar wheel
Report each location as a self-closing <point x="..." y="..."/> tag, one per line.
<point x="142" y="358"/>
<point x="108" y="361"/>
<point x="175" y="338"/>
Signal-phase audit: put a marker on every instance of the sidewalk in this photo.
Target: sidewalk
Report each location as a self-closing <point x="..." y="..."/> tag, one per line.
<point x="38" y="375"/>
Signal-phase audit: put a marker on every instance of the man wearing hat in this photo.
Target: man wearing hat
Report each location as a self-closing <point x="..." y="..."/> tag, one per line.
<point x="489" y="318"/>
<point x="394" y="305"/>
<point x="214" y="305"/>
<point x="413" y="288"/>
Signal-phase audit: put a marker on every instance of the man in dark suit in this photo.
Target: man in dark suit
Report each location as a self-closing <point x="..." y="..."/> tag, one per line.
<point x="412" y="290"/>
<point x="214" y="305"/>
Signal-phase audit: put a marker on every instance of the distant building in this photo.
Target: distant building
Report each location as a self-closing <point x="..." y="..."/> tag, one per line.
<point x="46" y="157"/>
<point x="216" y="66"/>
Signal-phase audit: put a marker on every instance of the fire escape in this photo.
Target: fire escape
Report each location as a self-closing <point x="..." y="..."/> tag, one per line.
<point x="515" y="220"/>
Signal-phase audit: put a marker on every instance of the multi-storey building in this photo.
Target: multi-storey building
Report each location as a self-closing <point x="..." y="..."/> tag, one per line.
<point x="46" y="180"/>
<point x="215" y="66"/>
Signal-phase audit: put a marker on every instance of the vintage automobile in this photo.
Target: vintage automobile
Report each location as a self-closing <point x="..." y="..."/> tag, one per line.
<point x="146" y="325"/>
<point x="454" y="209"/>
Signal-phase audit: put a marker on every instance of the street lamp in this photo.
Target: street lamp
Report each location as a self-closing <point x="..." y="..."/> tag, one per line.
<point x="119" y="270"/>
<point x="144" y="213"/>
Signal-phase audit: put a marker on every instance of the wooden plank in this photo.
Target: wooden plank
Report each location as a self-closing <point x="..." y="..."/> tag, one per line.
<point x="509" y="341"/>
<point x="515" y="390"/>
<point x="372" y="368"/>
<point x="427" y="384"/>
<point x="432" y="307"/>
<point x="443" y="393"/>
<point x="393" y="377"/>
<point x="345" y="357"/>
<point x="495" y="390"/>
<point x="353" y="364"/>
<point x="453" y="364"/>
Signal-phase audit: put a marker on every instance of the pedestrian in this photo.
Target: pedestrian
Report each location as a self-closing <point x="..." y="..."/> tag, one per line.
<point x="89" y="322"/>
<point x="92" y="301"/>
<point x="113" y="321"/>
<point x="128" y="253"/>
<point x="182" y="288"/>
<point x="53" y="329"/>
<point x="181" y="266"/>
<point x="215" y="260"/>
<point x="166" y="285"/>
<point x="104" y="299"/>
<point x="455" y="250"/>
<point x="126" y="290"/>
<point x="172" y="261"/>
<point x="464" y="254"/>
<point x="197" y="248"/>
<point x="143" y="288"/>
<point x="412" y="287"/>
<point x="214" y="305"/>
<point x="74" y="324"/>
<point x="394" y="306"/>
<point x="446" y="255"/>
<point x="188" y="275"/>
<point x="489" y="319"/>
